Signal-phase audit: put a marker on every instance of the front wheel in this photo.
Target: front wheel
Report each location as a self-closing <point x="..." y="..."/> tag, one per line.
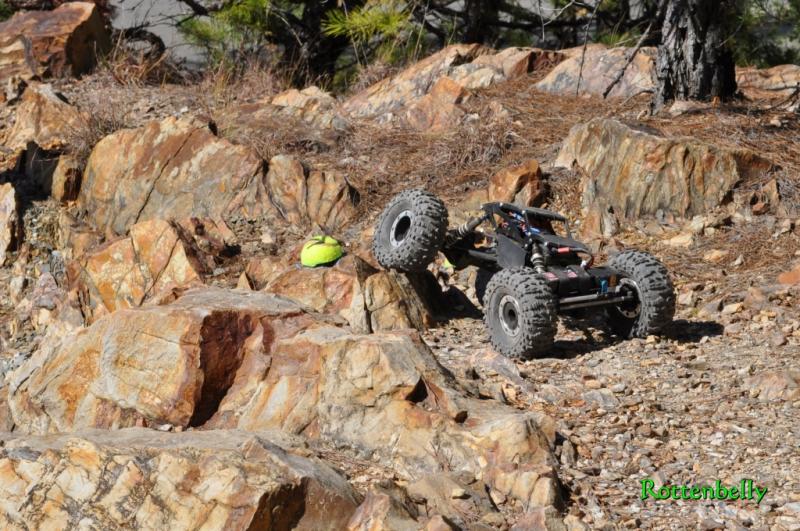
<point x="410" y="231"/>
<point x="520" y="313"/>
<point x="653" y="306"/>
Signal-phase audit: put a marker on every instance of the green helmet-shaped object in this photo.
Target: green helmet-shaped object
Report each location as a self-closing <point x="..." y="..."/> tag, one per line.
<point x="320" y="250"/>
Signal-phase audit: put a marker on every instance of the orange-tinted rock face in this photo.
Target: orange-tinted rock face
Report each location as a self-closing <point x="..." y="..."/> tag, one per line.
<point x="317" y="198"/>
<point x="138" y="478"/>
<point x="64" y="41"/>
<point x="43" y="118"/>
<point x="598" y="68"/>
<point x="172" y="169"/>
<point x="10" y="223"/>
<point x="157" y="256"/>
<point x="637" y="171"/>
<point x="521" y="184"/>
<point x="230" y="359"/>
<point x="426" y="95"/>
<point x="776" y="82"/>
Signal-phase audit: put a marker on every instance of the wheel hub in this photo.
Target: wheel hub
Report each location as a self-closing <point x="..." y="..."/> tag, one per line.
<point x="632" y="309"/>
<point x="509" y="314"/>
<point x="400" y="227"/>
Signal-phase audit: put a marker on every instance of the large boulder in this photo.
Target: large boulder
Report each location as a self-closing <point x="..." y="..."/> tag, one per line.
<point x="144" y="479"/>
<point x="169" y="169"/>
<point x="222" y="359"/>
<point x="637" y="171"/>
<point x="425" y="94"/>
<point x="598" y="68"/>
<point x="64" y="41"/>
<point x="156" y="256"/>
<point x="155" y="365"/>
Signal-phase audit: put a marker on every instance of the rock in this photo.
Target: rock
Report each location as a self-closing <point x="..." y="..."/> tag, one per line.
<point x="172" y="169"/>
<point x="437" y="110"/>
<point x="775" y="385"/>
<point x="426" y="93"/>
<point x="138" y="478"/>
<point x="639" y="172"/>
<point x="730" y="309"/>
<point x="75" y="237"/>
<point x="436" y="491"/>
<point x="522" y="184"/>
<point x="10" y="222"/>
<point x="311" y="105"/>
<point x="368" y="299"/>
<point x="316" y="385"/>
<point x="540" y="519"/>
<point x="323" y="199"/>
<point x="715" y="255"/>
<point x="684" y="239"/>
<point x="261" y="270"/>
<point x="602" y="398"/>
<point x="401" y="300"/>
<point x="394" y="94"/>
<point x="775" y="82"/>
<point x="66" y="179"/>
<point x="157" y="256"/>
<point x="791" y="277"/>
<point x="254" y="361"/>
<point x="102" y="376"/>
<point x="45" y="118"/>
<point x="383" y="510"/>
<point x="600" y="67"/>
<point x="64" y="41"/>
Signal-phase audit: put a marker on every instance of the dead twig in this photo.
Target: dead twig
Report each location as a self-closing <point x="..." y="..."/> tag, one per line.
<point x="631" y="56"/>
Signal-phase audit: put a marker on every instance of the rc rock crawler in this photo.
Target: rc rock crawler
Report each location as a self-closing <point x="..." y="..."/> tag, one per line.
<point x="531" y="273"/>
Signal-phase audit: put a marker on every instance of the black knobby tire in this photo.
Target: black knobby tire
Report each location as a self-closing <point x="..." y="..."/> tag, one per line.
<point x="482" y="279"/>
<point x="655" y="307"/>
<point x="410" y="231"/>
<point x="520" y="313"/>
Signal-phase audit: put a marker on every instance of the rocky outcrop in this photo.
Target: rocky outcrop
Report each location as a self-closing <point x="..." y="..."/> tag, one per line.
<point x="157" y="256"/>
<point x="227" y="359"/>
<point x="61" y="42"/>
<point x="153" y="366"/>
<point x="172" y="169"/>
<point x="10" y="222"/>
<point x="44" y="118"/>
<point x="637" y="171"/>
<point x="368" y="299"/>
<point x="43" y="127"/>
<point x="144" y="479"/>
<point x="778" y="81"/>
<point x="385" y="396"/>
<point x="323" y="199"/>
<point x="598" y="68"/>
<point x="425" y="95"/>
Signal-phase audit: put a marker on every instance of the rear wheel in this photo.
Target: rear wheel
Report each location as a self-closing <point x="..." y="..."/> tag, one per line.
<point x="410" y="231"/>
<point x="653" y="306"/>
<point x="520" y="313"/>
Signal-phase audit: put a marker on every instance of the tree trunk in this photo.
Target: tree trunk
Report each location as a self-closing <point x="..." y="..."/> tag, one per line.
<point x="693" y="61"/>
<point x="480" y="20"/>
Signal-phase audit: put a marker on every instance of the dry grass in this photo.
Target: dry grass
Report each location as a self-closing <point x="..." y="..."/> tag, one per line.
<point x="131" y="65"/>
<point x="102" y="116"/>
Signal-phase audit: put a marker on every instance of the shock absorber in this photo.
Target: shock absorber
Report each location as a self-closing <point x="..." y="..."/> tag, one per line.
<point x="537" y="260"/>
<point x="454" y="235"/>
